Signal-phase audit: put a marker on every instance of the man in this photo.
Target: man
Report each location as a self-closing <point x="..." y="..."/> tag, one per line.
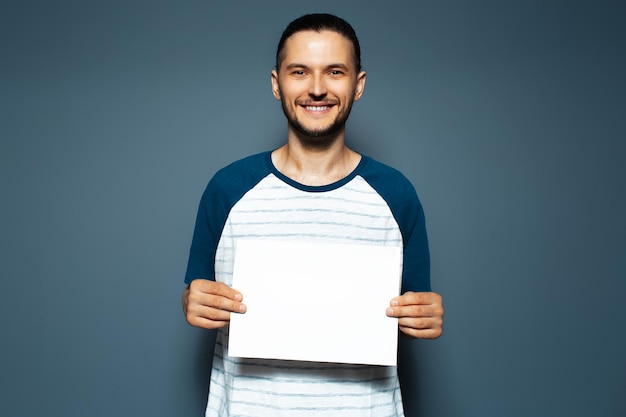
<point x="332" y="194"/>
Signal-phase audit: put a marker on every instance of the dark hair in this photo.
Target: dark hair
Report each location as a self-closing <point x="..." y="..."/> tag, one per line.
<point x="318" y="22"/>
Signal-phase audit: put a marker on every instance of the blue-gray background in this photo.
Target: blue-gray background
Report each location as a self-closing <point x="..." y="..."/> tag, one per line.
<point x="508" y="117"/>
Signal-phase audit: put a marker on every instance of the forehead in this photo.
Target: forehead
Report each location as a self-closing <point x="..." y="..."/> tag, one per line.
<point x="318" y="48"/>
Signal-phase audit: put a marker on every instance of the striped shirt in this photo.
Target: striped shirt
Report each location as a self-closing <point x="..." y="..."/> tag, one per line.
<point x="374" y="205"/>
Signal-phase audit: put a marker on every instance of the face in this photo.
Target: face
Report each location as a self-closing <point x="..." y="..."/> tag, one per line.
<point x="317" y="82"/>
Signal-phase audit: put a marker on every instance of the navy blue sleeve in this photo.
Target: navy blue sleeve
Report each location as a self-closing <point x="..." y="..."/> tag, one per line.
<point x="226" y="187"/>
<point x="405" y="205"/>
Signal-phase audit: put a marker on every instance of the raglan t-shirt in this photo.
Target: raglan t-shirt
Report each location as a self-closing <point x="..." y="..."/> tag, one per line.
<point x="251" y="199"/>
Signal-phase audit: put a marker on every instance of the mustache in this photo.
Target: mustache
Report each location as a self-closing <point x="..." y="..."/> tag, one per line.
<point x="316" y="102"/>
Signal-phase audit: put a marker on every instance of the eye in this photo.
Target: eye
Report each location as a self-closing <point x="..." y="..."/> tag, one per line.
<point x="336" y="73"/>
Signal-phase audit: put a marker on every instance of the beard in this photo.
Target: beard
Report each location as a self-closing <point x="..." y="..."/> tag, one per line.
<point x="319" y="137"/>
<point x="306" y="132"/>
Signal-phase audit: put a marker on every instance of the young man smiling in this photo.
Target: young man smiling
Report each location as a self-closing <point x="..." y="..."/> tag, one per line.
<point x="329" y="190"/>
<point x="317" y="81"/>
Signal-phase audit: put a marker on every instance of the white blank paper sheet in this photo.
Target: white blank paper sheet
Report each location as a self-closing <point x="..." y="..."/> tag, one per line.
<point x="315" y="302"/>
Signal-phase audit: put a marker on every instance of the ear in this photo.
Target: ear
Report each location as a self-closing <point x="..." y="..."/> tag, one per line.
<point x="360" y="85"/>
<point x="275" y="87"/>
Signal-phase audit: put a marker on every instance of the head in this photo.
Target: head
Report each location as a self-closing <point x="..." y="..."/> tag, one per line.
<point x="318" y="77"/>
<point x="318" y="22"/>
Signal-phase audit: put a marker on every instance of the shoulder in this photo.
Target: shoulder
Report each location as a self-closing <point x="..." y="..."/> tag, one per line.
<point x="398" y="192"/>
<point x="386" y="180"/>
<point x="253" y="165"/>
<point x="243" y="172"/>
<point x="232" y="181"/>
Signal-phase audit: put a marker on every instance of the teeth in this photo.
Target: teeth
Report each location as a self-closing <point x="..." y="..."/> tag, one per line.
<point x="316" y="108"/>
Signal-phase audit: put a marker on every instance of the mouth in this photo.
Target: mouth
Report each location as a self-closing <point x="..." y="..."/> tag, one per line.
<point x="317" y="107"/>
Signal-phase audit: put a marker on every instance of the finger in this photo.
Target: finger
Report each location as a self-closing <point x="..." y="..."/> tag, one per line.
<point x="207" y="317"/>
<point x="423" y="328"/>
<point x="410" y="298"/>
<point x="422" y="323"/>
<point x="209" y="313"/>
<point x="206" y="323"/>
<point x="417" y="310"/>
<point x="413" y="311"/>
<point x="216" y="295"/>
<point x="216" y="302"/>
<point x="422" y="333"/>
<point x="217" y="288"/>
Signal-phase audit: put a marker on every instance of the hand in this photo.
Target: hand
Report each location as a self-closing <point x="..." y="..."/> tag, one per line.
<point x="420" y="314"/>
<point x="208" y="304"/>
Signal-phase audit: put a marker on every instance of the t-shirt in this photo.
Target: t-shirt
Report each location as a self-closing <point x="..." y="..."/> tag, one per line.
<point x="251" y="199"/>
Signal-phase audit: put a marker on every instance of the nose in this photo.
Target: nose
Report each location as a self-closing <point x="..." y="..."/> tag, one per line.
<point x="317" y="87"/>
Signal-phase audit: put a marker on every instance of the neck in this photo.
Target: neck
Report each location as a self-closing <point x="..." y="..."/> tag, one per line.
<point x="315" y="165"/>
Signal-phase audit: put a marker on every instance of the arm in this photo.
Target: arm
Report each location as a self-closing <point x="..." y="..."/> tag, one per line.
<point x="208" y="304"/>
<point x="420" y="314"/>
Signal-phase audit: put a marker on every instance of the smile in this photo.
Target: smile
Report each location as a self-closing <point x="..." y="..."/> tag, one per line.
<point x="317" y="108"/>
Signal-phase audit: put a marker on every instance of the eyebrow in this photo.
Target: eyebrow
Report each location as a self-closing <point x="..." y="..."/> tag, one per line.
<point x="297" y="65"/>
